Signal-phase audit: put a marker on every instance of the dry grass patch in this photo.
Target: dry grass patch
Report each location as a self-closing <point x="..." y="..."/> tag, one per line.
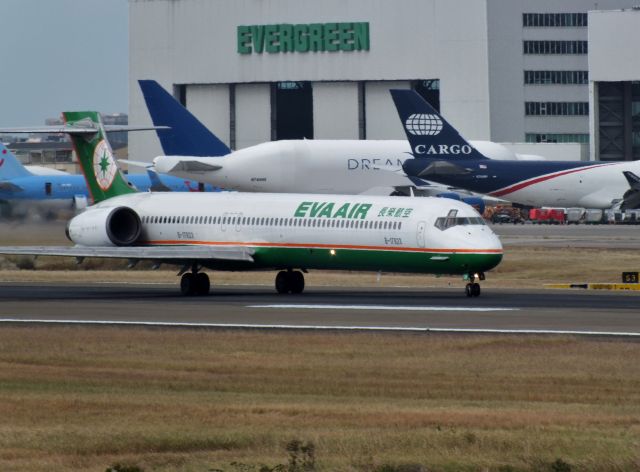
<point x="85" y="398"/>
<point x="521" y="267"/>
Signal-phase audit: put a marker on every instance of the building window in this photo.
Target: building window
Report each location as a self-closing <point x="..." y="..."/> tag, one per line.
<point x="556" y="108"/>
<point x="557" y="138"/>
<point x="551" y="20"/>
<point x="555" y="47"/>
<point x="556" y="77"/>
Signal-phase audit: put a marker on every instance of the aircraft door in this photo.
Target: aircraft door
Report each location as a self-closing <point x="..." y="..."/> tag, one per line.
<point x="48" y="190"/>
<point x="420" y="233"/>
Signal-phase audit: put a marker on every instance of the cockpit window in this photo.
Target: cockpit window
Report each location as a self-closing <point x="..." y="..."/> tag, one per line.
<point x="451" y="220"/>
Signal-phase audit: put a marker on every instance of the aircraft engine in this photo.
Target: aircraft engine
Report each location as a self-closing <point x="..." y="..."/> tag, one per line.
<point x="120" y="226"/>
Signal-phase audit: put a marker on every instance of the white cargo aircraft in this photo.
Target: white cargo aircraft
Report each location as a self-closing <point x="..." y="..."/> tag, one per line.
<point x="311" y="166"/>
<point x="235" y="231"/>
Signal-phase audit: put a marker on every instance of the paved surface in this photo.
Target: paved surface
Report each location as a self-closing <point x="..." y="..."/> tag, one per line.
<point x="548" y="310"/>
<point x="591" y="236"/>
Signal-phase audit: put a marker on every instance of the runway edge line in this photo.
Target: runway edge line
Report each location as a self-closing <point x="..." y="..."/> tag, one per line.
<point x="409" y="329"/>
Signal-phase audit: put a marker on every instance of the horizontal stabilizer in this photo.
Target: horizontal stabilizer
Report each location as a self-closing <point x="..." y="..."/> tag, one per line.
<point x="195" y="167"/>
<point x="78" y="130"/>
<point x="144" y="165"/>
<point x="168" y="253"/>
<point x="442" y="168"/>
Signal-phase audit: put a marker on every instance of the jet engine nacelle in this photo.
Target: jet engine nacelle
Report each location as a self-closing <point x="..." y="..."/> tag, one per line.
<point x="119" y="226"/>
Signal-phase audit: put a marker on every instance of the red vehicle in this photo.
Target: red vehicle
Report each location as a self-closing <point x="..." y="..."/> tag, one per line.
<point x="547" y="215"/>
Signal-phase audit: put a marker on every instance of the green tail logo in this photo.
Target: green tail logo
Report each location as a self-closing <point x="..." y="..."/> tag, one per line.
<point x="96" y="157"/>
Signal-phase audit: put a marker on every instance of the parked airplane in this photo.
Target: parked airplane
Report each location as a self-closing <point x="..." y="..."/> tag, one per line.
<point x="314" y="166"/>
<point x="236" y="231"/>
<point x="26" y="191"/>
<point x="442" y="155"/>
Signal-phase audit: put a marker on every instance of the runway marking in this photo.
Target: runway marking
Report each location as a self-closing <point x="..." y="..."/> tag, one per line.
<point x="383" y="307"/>
<point x="412" y="329"/>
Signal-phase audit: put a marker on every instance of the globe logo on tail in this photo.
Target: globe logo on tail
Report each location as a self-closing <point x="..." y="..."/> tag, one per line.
<point x="421" y="124"/>
<point x="104" y="167"/>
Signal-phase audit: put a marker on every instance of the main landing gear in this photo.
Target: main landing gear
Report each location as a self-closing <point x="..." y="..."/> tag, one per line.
<point x="289" y="281"/>
<point x="472" y="289"/>
<point x="194" y="282"/>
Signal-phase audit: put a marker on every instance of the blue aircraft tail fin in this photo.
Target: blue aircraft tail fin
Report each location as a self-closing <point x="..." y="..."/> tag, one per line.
<point x="429" y="134"/>
<point x="10" y="166"/>
<point x="187" y="136"/>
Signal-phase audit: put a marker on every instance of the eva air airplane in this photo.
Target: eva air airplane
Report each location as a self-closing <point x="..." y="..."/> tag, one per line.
<point x="289" y="233"/>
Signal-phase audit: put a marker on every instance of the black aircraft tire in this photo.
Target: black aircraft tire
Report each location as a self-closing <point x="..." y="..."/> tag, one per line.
<point x="283" y="284"/>
<point x="468" y="290"/>
<point x="297" y="282"/>
<point x="187" y="284"/>
<point x="475" y="290"/>
<point x="202" y="284"/>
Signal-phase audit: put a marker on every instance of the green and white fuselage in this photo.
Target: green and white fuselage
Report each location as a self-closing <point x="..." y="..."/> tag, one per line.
<point x="306" y="231"/>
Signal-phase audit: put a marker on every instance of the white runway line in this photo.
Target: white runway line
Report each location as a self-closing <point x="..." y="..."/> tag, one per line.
<point x="410" y="329"/>
<point x="383" y="307"/>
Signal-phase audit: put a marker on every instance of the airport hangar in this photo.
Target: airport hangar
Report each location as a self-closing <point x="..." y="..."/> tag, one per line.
<point x="510" y="71"/>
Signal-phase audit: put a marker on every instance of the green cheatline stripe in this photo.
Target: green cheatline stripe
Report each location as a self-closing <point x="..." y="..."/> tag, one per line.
<point x="392" y="261"/>
<point x="366" y="260"/>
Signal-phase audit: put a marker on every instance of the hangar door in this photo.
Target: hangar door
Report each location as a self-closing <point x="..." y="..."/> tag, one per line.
<point x="291" y="110"/>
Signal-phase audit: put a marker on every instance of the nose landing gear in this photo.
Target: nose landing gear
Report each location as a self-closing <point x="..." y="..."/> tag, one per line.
<point x="289" y="281"/>
<point x="472" y="289"/>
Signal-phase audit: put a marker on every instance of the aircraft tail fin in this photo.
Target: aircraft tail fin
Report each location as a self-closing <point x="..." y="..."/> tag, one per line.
<point x="10" y="165"/>
<point x="631" y="198"/>
<point x="187" y="136"/>
<point x="157" y="185"/>
<point x="429" y="134"/>
<point x="104" y="178"/>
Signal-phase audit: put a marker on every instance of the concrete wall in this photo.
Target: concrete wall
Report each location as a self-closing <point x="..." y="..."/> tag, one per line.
<point x="335" y="110"/>
<point x="614" y="57"/>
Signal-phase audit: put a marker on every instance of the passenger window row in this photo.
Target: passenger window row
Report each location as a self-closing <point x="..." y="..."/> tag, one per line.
<point x="280" y="222"/>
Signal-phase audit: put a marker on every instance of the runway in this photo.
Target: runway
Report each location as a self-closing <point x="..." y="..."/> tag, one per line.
<point x="582" y="236"/>
<point x="434" y="309"/>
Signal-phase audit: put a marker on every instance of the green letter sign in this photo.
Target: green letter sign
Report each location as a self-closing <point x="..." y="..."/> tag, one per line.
<point x="315" y="37"/>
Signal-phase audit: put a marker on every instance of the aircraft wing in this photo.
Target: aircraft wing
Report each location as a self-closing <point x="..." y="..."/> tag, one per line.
<point x="8" y="186"/>
<point x="168" y="253"/>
